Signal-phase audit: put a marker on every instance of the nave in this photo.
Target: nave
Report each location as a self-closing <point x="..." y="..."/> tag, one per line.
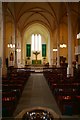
<point x="37" y="93"/>
<point x="33" y="89"/>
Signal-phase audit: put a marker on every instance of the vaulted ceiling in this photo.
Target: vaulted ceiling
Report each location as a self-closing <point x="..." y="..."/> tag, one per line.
<point x="47" y="13"/>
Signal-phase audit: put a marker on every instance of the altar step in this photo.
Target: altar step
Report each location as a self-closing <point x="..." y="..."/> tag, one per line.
<point x="37" y="69"/>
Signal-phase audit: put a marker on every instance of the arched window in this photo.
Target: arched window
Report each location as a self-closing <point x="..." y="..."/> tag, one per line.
<point x="36" y="42"/>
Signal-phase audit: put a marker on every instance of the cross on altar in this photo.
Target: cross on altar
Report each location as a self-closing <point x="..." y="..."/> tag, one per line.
<point x="36" y="54"/>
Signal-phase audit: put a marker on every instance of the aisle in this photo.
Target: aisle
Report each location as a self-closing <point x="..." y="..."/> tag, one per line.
<point x="36" y="93"/>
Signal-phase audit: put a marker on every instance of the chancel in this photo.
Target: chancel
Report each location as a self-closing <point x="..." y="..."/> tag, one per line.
<point x="36" y="45"/>
<point x="40" y="60"/>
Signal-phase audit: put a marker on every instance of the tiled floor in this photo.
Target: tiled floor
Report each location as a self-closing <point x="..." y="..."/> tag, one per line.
<point x="36" y="93"/>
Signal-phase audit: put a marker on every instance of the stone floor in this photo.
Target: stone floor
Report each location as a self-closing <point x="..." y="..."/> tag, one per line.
<point x="36" y="93"/>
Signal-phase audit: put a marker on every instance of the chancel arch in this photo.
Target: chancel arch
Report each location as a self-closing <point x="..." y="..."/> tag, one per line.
<point x="36" y="30"/>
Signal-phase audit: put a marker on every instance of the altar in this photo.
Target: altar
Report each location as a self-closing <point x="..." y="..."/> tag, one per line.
<point x="38" y="62"/>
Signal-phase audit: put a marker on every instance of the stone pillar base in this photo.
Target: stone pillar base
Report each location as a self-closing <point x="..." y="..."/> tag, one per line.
<point x="69" y="71"/>
<point x="15" y="65"/>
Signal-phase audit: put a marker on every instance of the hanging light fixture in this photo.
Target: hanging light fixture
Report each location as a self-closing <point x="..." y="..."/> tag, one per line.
<point x="55" y="50"/>
<point x="11" y="45"/>
<point x="18" y="48"/>
<point x="63" y="45"/>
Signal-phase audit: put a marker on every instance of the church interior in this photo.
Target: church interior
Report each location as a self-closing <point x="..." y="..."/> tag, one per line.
<point x="40" y="60"/>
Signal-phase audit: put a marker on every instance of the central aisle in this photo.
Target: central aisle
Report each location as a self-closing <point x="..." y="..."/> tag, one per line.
<point x="36" y="93"/>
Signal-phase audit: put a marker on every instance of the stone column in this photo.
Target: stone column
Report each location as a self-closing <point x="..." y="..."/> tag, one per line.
<point x="78" y="61"/>
<point x="15" y="37"/>
<point x="58" y="45"/>
<point x="51" y="49"/>
<point x="79" y="33"/>
<point x="70" y="68"/>
<point x="1" y="42"/>
<point x="1" y="51"/>
<point x="4" y="69"/>
<point x="21" y="49"/>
